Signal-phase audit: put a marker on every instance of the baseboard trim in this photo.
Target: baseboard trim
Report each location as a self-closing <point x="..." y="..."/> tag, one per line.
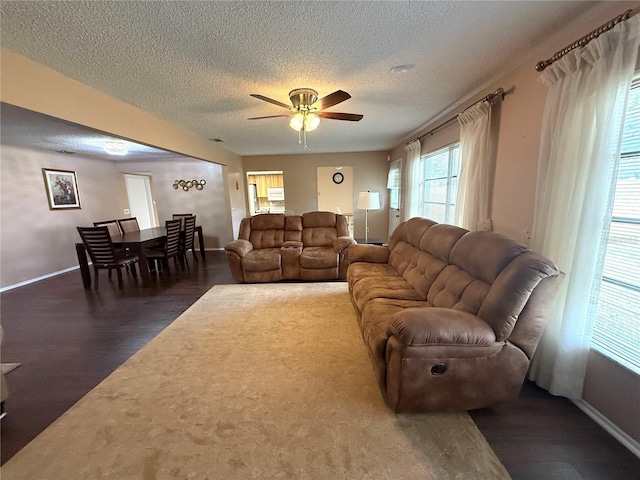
<point x="60" y="272"/>
<point x="37" y="279"/>
<point x="609" y="426"/>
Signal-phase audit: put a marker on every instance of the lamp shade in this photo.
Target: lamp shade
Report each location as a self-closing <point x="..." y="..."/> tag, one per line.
<point x="369" y="201"/>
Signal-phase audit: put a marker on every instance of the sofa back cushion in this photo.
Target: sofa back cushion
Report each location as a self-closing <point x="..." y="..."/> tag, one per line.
<point x="419" y="251"/>
<point x="267" y="230"/>
<point x="476" y="261"/>
<point x="404" y="243"/>
<point x="319" y="229"/>
<point x="293" y="228"/>
<point x="511" y="292"/>
<point x="432" y="256"/>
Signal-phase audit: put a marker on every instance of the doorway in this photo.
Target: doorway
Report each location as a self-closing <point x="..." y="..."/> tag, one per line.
<point x="265" y="191"/>
<point x="335" y="192"/>
<point x="140" y="200"/>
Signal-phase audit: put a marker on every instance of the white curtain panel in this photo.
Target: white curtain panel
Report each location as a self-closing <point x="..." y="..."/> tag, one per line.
<point x="579" y="148"/>
<point x="473" y="199"/>
<point x="393" y="178"/>
<point x="413" y="191"/>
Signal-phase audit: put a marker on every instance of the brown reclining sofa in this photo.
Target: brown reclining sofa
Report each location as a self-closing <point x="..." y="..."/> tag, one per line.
<point x="273" y="246"/>
<point x="451" y="318"/>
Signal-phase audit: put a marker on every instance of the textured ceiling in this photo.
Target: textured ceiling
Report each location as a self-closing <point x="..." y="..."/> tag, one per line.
<point x="194" y="63"/>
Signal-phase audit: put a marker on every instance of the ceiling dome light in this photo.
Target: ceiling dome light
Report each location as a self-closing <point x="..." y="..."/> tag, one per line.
<point x="115" y="148"/>
<point x="402" y="68"/>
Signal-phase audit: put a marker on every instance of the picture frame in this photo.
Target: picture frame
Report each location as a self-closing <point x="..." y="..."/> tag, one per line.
<point x="62" y="189"/>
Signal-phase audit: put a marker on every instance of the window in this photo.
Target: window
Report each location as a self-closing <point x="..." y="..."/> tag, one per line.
<point x="394" y="183"/>
<point x="617" y="328"/>
<point x="439" y="183"/>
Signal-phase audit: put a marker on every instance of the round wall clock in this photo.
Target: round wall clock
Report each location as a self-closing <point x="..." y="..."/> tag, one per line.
<point x="338" y="178"/>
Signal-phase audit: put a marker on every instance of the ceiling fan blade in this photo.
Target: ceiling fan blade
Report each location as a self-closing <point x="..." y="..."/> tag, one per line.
<point x="351" y="117"/>
<point x="270" y="100"/>
<point x="332" y="99"/>
<point x="268" y="116"/>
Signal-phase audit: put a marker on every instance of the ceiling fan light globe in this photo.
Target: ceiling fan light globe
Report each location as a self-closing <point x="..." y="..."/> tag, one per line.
<point x="311" y="122"/>
<point x="297" y="121"/>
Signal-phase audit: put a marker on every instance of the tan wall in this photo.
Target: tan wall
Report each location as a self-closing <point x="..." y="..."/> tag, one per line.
<point x="519" y="133"/>
<point x="32" y="86"/>
<point x="37" y="241"/>
<point x="26" y="219"/>
<point x="207" y="204"/>
<point x="520" y="117"/>
<point x="514" y="195"/>
<point x="300" y="182"/>
<point x="614" y="391"/>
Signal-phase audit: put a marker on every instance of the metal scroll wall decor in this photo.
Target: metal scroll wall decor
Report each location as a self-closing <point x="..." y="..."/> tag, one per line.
<point x="187" y="184"/>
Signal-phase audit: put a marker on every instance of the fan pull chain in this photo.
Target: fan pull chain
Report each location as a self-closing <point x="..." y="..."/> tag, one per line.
<point x="302" y="133"/>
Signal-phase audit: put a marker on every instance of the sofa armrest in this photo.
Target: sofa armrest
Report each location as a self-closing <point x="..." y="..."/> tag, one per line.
<point x="368" y="253"/>
<point x="240" y="247"/>
<point x="340" y="243"/>
<point x="440" y="326"/>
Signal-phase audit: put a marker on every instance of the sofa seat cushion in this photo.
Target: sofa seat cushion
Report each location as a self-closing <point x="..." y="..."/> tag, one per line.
<point x="377" y="316"/>
<point x="318" y="257"/>
<point x="318" y="274"/>
<point x="360" y="270"/>
<point x="382" y="287"/>
<point x="261" y="260"/>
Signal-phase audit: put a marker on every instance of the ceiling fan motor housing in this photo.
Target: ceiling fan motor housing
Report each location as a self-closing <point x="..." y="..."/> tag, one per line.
<point x="303" y="97"/>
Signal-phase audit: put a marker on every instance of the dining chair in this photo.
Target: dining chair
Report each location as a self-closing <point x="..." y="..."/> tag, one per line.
<point x="182" y="216"/>
<point x="129" y="224"/>
<point x="170" y="248"/>
<point x="97" y="241"/>
<point x="186" y="242"/>
<point x="114" y="229"/>
<point x="112" y="225"/>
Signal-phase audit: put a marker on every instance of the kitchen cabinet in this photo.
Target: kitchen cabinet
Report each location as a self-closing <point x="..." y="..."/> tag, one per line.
<point x="266" y="181"/>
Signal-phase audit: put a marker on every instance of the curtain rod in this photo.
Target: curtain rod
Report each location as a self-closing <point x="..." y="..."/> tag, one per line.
<point x="498" y="93"/>
<point x="581" y="42"/>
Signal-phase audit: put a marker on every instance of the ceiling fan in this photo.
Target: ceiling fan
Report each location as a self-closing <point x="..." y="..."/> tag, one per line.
<point x="306" y="110"/>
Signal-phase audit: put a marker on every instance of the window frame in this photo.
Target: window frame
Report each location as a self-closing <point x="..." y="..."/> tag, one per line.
<point x="617" y="346"/>
<point x="453" y="151"/>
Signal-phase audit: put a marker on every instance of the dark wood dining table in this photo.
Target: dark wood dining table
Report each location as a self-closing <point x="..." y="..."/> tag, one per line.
<point x="137" y="242"/>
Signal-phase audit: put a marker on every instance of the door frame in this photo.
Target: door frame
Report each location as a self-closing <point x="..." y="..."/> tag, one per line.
<point x="148" y="204"/>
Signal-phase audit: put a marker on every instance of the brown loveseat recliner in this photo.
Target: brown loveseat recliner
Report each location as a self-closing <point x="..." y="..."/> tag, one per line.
<point x="451" y="318"/>
<point x="272" y="247"/>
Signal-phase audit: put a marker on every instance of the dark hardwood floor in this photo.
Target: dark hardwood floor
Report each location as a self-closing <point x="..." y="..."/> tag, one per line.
<point x="68" y="339"/>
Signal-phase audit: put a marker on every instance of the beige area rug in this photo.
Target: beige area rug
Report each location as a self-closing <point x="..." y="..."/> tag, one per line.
<point x="253" y="381"/>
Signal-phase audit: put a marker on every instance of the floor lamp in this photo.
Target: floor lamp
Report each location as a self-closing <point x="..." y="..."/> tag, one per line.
<point x="368" y="201"/>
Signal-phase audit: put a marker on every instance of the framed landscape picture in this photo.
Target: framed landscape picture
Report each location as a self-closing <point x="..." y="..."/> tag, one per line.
<point x="62" y="189"/>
